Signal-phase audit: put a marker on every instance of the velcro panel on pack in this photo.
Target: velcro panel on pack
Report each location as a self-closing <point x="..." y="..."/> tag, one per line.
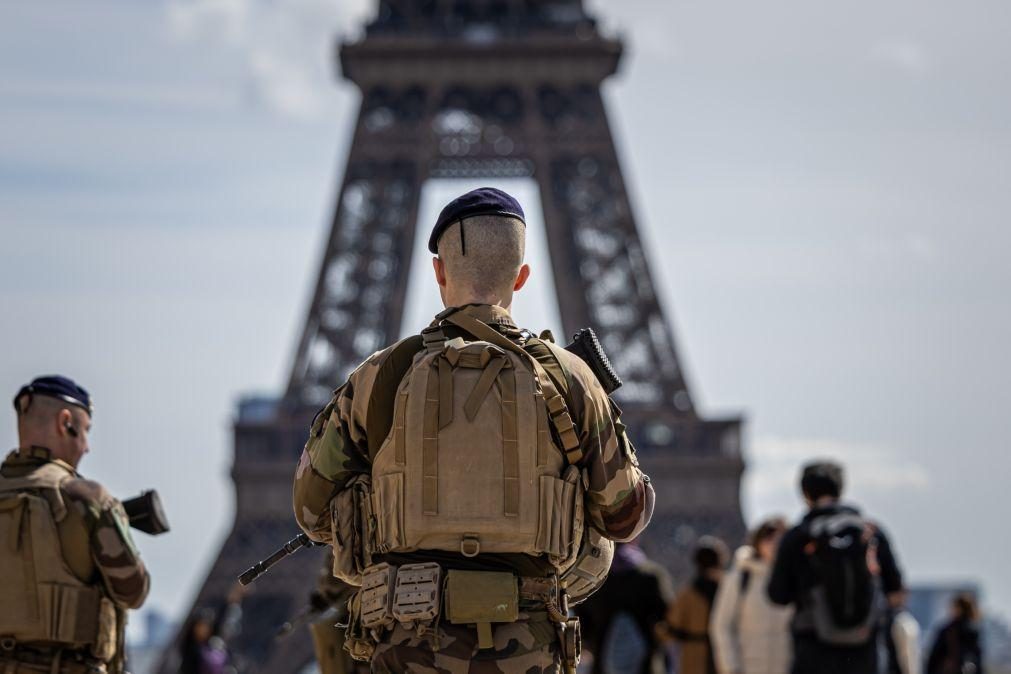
<point x="430" y="446"/>
<point x="510" y="447"/>
<point x="417" y="594"/>
<point x="481" y="597"/>
<point x="377" y="597"/>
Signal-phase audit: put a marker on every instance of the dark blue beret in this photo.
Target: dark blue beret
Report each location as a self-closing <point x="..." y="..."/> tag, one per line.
<point x="59" y="387"/>
<point x="482" y="201"/>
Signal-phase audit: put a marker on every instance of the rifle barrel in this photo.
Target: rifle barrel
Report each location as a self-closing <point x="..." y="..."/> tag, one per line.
<point x="258" y="569"/>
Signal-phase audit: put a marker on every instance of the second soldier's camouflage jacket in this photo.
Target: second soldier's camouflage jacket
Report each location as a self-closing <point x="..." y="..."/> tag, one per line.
<point x="345" y="437"/>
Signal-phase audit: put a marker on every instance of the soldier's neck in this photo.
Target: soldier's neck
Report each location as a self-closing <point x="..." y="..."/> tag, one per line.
<point x="463" y="300"/>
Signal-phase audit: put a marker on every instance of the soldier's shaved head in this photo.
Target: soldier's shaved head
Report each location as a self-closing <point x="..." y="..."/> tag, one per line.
<point x="35" y="411"/>
<point x="482" y="259"/>
<point x="44" y="421"/>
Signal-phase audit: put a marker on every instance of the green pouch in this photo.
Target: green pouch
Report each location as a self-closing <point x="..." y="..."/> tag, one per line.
<point x="482" y="598"/>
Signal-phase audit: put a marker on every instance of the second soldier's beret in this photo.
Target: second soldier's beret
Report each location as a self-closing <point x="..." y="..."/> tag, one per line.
<point x="482" y="201"/>
<point x="55" y="386"/>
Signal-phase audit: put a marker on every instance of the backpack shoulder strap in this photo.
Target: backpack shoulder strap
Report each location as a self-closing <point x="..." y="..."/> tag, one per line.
<point x="558" y="410"/>
<point x="395" y="365"/>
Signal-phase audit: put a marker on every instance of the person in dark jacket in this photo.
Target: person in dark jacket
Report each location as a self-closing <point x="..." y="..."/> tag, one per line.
<point x="619" y="621"/>
<point x="794" y="580"/>
<point x="688" y="617"/>
<point x="204" y="647"/>
<point x="957" y="648"/>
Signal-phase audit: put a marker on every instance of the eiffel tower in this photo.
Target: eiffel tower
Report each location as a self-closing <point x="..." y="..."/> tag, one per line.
<point x="474" y="89"/>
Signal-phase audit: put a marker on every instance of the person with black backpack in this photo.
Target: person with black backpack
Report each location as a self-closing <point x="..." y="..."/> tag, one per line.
<point x="833" y="568"/>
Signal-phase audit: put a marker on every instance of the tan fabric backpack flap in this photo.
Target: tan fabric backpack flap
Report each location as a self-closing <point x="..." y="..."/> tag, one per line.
<point x="469" y="465"/>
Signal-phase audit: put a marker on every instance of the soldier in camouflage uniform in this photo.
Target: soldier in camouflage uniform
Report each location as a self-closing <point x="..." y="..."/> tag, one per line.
<point x="68" y="566"/>
<point x="479" y="239"/>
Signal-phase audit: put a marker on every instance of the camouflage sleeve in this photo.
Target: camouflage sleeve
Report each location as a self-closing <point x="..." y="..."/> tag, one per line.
<point x="336" y="451"/>
<point x="619" y="496"/>
<point x="123" y="573"/>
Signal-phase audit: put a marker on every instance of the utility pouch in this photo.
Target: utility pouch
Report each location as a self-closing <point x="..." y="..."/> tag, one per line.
<point x="108" y="631"/>
<point x="377" y="596"/>
<point x="570" y="638"/>
<point x="350" y="516"/>
<point x="482" y="598"/>
<point x="358" y="642"/>
<point x="417" y="595"/>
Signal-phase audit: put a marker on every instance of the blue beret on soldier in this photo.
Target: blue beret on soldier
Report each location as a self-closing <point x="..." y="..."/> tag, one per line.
<point x="55" y="386"/>
<point x="482" y="201"/>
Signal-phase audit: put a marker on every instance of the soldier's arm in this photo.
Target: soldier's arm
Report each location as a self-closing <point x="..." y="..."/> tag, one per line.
<point x="335" y="452"/>
<point x="123" y="573"/>
<point x="619" y="496"/>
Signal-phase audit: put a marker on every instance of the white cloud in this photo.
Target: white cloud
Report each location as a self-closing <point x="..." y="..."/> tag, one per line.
<point x="775" y="462"/>
<point x="286" y="47"/>
<point x="902" y="54"/>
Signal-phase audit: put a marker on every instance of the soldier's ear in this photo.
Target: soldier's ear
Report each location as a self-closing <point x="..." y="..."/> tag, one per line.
<point x="521" y="277"/>
<point x="64" y="420"/>
<point x="440" y="271"/>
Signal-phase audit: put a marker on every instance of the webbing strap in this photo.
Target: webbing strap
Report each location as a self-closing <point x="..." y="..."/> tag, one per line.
<point x="543" y="436"/>
<point x="510" y="447"/>
<point x="28" y="553"/>
<point x="399" y="430"/>
<point x="446" y="393"/>
<point x="559" y="412"/>
<point x="430" y="446"/>
<point x="483" y="386"/>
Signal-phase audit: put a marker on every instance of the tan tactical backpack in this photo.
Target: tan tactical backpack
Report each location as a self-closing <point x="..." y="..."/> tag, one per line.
<point x="469" y="464"/>
<point x="43" y="601"/>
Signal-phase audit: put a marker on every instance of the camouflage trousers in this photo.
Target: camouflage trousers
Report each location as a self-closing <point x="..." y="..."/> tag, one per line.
<point x="523" y="647"/>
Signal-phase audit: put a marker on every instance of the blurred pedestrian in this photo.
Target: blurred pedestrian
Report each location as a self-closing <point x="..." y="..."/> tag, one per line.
<point x="957" y="647"/>
<point x="204" y="647"/>
<point x="619" y="621"/>
<point x="688" y="617"/>
<point x="902" y="641"/>
<point x="832" y="568"/>
<point x="750" y="634"/>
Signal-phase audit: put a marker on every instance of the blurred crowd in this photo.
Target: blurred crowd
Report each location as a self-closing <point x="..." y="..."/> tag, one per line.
<point x="825" y="596"/>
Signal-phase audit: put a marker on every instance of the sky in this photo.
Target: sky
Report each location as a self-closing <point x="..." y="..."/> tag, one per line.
<point x="822" y="189"/>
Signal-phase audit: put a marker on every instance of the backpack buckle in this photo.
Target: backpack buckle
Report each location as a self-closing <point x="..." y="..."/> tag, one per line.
<point x="470" y="545"/>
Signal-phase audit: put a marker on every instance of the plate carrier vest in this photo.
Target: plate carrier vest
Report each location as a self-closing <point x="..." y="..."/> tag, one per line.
<point x="44" y="603"/>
